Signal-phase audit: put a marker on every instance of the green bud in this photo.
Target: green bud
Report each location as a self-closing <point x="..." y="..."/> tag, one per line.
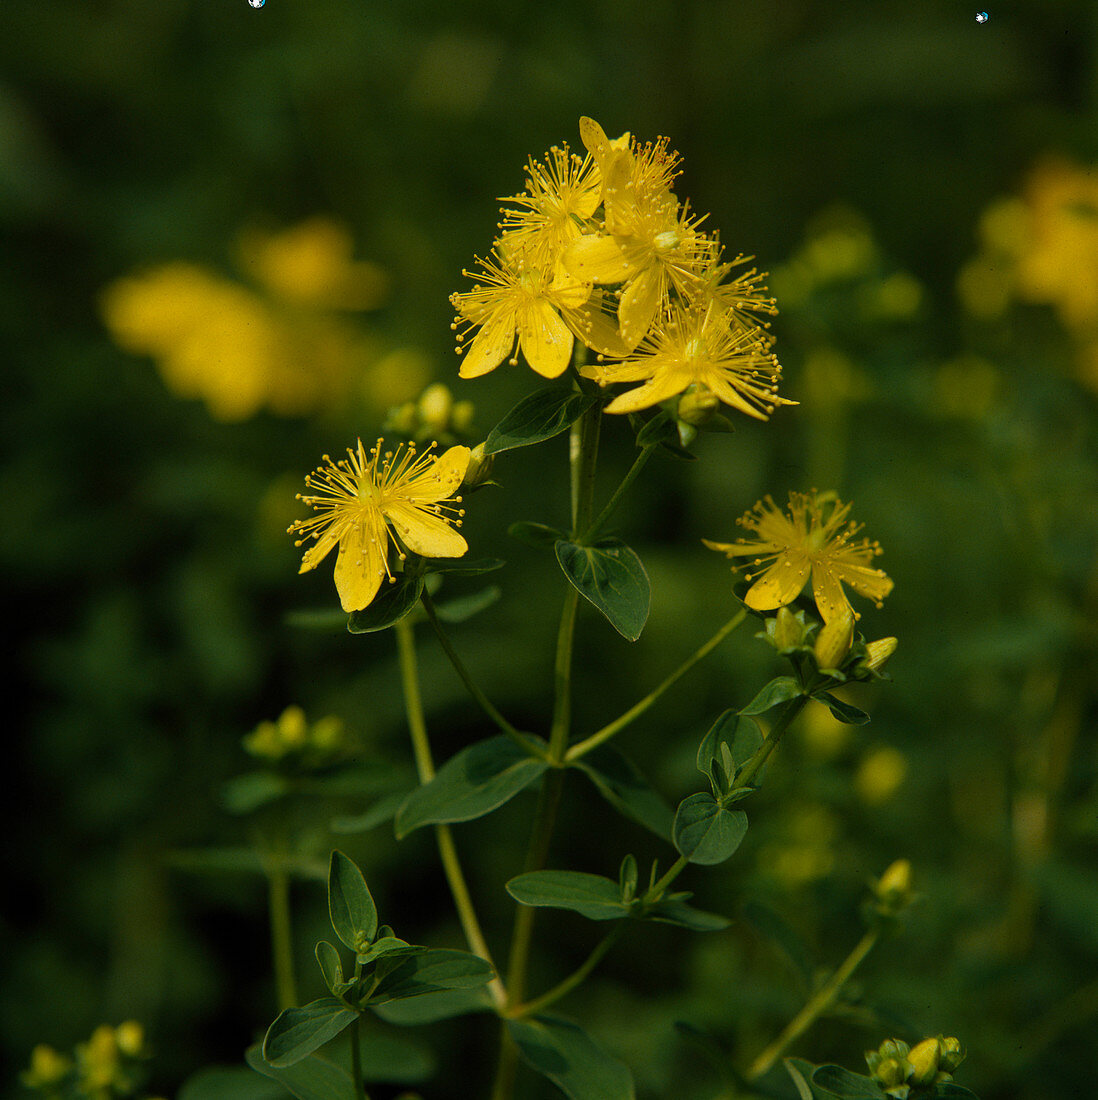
<point x="952" y="1053"/>
<point x="788" y="630"/>
<point x="891" y="1072"/>
<point x="924" y="1059"/>
<point x="697" y="406"/>
<point x="834" y="640"/>
<point x="893" y="889"/>
<point x="479" y="469"/>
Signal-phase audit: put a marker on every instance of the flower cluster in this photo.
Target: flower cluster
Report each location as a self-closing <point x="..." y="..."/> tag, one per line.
<point x="294" y="740"/>
<point x="598" y="248"/>
<point x="109" y="1066"/>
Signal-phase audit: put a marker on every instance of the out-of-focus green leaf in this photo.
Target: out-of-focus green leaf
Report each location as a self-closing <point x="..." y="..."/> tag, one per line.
<point x="570" y="1058"/>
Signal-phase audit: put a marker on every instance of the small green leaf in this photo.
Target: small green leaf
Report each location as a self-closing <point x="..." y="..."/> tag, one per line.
<point x="248" y="792"/>
<point x="387" y="946"/>
<point x="663" y="430"/>
<point x="542" y="415"/>
<point x="473" y="783"/>
<point x="313" y="1078"/>
<point x="391" y="604"/>
<point x="330" y="966"/>
<point x="836" y="1081"/>
<point x="612" y="577"/>
<point x="593" y="896"/>
<point x="383" y="810"/>
<point x="534" y="534"/>
<point x="844" y="712"/>
<point x="432" y="970"/>
<point x="621" y="783"/>
<point x="566" y="1054"/>
<point x="431" y="1007"/>
<point x="779" y="690"/>
<point x="463" y="567"/>
<point x="352" y="909"/>
<point x="769" y="924"/>
<point x="675" y="911"/>
<point x="627" y="878"/>
<point x="738" y="731"/>
<point x="705" y="832"/>
<point x="465" y="607"/>
<point x="297" y="1032"/>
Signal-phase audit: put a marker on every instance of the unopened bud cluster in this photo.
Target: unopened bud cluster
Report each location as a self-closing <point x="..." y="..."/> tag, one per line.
<point x="292" y="741"/>
<point x="904" y="1071"/>
<point x="434" y="416"/>
<point x="835" y="648"/>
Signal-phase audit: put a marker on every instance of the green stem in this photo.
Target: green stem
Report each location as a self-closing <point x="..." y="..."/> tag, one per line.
<point x="359" y="1089"/>
<point x="762" y="754"/>
<point x="425" y="768"/>
<point x="582" y="748"/>
<point x="638" y="464"/>
<point x="574" y="979"/>
<point x="817" y="1004"/>
<point x="278" y="892"/>
<point x="484" y="702"/>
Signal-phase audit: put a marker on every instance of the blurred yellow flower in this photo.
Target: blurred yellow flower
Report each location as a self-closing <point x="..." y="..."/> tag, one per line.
<point x="364" y="498"/>
<point x="814" y="538"/>
<point x="880" y="775"/>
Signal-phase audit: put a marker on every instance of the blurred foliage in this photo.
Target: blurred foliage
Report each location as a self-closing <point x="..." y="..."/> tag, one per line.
<point x="921" y="188"/>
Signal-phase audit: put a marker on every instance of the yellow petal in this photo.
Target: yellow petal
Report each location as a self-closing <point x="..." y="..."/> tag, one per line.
<point x="828" y="592"/>
<point x="733" y="549"/>
<point x="425" y="533"/>
<point x="544" y="339"/>
<point x="639" y="302"/>
<point x="441" y="479"/>
<point x="490" y="346"/>
<point x="780" y="584"/>
<point x="595" y="259"/>
<point x="866" y="581"/>
<point x="596" y="329"/>
<point x="666" y="384"/>
<point x="594" y="139"/>
<point x="320" y="549"/>
<point x="360" y="565"/>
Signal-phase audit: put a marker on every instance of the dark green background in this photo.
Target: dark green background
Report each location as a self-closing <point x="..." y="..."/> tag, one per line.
<point x="146" y="599"/>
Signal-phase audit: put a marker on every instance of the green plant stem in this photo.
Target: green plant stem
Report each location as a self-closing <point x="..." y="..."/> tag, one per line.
<point x="583" y="448"/>
<point x="359" y="1089"/>
<point x="574" y="979"/>
<point x="484" y="702"/>
<point x="425" y="768"/>
<point x="278" y="893"/>
<point x="634" y="471"/>
<point x="762" y="753"/>
<point x="582" y="748"/>
<point x="817" y="1004"/>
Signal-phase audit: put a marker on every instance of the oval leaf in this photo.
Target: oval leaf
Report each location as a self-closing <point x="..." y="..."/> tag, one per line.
<point x="593" y="896"/>
<point x="686" y="916"/>
<point x="844" y="712"/>
<point x="352" y="909"/>
<point x="612" y="577"/>
<point x="780" y="690"/>
<point x="313" y="1078"/>
<point x="297" y="1032"/>
<point x="542" y="415"/>
<point x="739" y="732"/>
<point x="473" y="783"/>
<point x="431" y="971"/>
<point x="330" y="966"/>
<point x="392" y="603"/>
<point x="621" y="783"/>
<point x="566" y="1054"/>
<point x="431" y="1007"/>
<point x="705" y="832"/>
<point x="836" y="1081"/>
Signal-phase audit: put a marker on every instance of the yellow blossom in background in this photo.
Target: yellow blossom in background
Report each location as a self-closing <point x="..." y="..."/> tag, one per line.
<point x="313" y="744"/>
<point x="812" y="538"/>
<point x="371" y="498"/>
<point x="277" y="346"/>
<point x="48" y="1067"/>
<point x="805" y="850"/>
<point x="880" y="775"/>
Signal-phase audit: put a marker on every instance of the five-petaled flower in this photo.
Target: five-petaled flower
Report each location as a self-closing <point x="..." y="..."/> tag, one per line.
<point x="370" y="498"/>
<point x="814" y="538"/>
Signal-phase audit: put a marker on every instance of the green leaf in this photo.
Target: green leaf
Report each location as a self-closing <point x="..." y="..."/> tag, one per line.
<point x="313" y="1078"/>
<point x="330" y="966"/>
<point x="612" y="577"/>
<point x="844" y="712"/>
<point x="383" y="810"/>
<point x="779" y="690"/>
<point x="463" y="567"/>
<point x="473" y="783"/>
<point x="677" y="912"/>
<point x="741" y="734"/>
<point x="801" y="1072"/>
<point x="836" y="1081"/>
<point x="248" y="792"/>
<point x="621" y="783"/>
<point x="352" y="909"/>
<point x="391" y="604"/>
<point x="387" y="946"/>
<point x="430" y="971"/>
<point x="594" y="896"/>
<point x="534" y="534"/>
<point x="542" y="415"/>
<point x="229" y="1083"/>
<point x="769" y="924"/>
<point x="297" y="1032"/>
<point x="627" y="878"/>
<point x="465" y="607"/>
<point x="566" y="1054"/>
<point x="431" y="1007"/>
<point x="663" y="431"/>
<point x="705" y="832"/>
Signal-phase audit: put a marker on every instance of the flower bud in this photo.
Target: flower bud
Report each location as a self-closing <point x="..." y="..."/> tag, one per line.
<point x="479" y="469"/>
<point x="435" y="404"/>
<point x="834" y="640"/>
<point x="697" y="406"/>
<point x="788" y="630"/>
<point x="924" y="1059"/>
<point x="952" y="1053"/>
<point x="877" y="653"/>
<point x="130" y="1037"/>
<point x="891" y="1072"/>
<point x="893" y="889"/>
<point x="47" y="1067"/>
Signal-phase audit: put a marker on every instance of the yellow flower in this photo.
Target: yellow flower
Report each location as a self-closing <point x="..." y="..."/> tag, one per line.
<point x="368" y="499"/>
<point x="814" y="538"/>
<point x="516" y="299"/>
<point x="48" y="1067"/>
<point x="702" y="347"/>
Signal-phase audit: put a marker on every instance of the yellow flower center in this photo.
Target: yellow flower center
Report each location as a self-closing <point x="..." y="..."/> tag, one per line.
<point x="666" y="241"/>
